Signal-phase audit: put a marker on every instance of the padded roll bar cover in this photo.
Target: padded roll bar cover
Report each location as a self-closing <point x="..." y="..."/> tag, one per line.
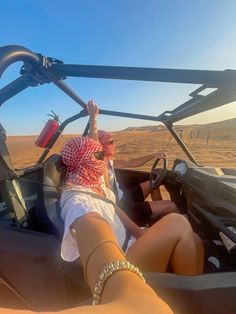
<point x="13" y="53"/>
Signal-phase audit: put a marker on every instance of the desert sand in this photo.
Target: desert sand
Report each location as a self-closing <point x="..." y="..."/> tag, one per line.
<point x="212" y="144"/>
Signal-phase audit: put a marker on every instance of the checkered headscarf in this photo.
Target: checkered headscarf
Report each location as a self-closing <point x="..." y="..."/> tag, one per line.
<point x="109" y="149"/>
<point x="82" y="167"/>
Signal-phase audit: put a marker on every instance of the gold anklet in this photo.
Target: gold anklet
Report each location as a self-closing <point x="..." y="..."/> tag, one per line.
<point x="94" y="249"/>
<point x="107" y="272"/>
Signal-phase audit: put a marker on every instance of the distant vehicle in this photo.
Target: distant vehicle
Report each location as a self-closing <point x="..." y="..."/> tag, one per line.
<point x="32" y="274"/>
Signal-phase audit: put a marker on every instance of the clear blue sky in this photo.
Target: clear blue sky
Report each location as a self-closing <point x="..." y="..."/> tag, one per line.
<point x="167" y="34"/>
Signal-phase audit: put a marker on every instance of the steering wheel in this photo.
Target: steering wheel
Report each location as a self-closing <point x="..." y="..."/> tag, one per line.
<point x="157" y="175"/>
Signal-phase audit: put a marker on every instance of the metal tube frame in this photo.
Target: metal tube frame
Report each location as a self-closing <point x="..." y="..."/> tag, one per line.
<point x="83" y="113"/>
<point x="39" y="70"/>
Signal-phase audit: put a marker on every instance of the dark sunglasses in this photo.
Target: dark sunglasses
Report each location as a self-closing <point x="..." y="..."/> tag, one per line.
<point x="99" y="155"/>
<point x="110" y="142"/>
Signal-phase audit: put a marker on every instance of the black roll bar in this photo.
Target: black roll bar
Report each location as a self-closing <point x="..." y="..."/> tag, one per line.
<point x="181" y="144"/>
<point x="63" y="86"/>
<point x="46" y="70"/>
<point x="66" y="89"/>
<point x="200" y="104"/>
<point x="9" y="55"/>
<point x="209" y="78"/>
<point x="13" y="53"/>
<point x="15" y="87"/>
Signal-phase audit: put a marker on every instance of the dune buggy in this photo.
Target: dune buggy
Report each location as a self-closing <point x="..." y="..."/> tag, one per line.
<point x="32" y="274"/>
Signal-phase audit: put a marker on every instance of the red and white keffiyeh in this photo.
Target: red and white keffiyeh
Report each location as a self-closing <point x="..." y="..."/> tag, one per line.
<point x="108" y="148"/>
<point x="82" y="167"/>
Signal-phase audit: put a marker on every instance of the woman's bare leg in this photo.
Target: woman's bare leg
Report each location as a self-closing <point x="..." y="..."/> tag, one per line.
<point x="162" y="208"/>
<point x="145" y="186"/>
<point x="169" y="242"/>
<point x="135" y="296"/>
<point x="156" y="195"/>
<point x="158" y="206"/>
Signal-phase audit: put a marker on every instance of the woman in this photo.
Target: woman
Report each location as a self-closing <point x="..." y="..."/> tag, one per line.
<point x="158" y="248"/>
<point x="132" y="200"/>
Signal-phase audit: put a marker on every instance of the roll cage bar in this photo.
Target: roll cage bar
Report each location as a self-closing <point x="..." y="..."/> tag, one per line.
<point x="38" y="69"/>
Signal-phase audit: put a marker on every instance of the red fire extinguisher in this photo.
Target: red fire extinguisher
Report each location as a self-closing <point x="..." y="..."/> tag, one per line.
<point x="48" y="130"/>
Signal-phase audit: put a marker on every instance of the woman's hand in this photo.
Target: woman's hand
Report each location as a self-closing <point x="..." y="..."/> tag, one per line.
<point x="92" y="109"/>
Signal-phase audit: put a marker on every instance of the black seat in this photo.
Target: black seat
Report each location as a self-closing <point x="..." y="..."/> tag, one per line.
<point x="48" y="209"/>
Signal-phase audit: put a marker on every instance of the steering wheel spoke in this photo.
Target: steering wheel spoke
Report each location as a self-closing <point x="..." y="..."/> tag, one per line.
<point x="157" y="174"/>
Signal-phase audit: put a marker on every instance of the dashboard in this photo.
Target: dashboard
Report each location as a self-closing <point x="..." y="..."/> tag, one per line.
<point x="206" y="194"/>
<point x="207" y="186"/>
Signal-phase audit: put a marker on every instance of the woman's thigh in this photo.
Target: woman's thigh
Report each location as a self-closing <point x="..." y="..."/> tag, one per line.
<point x="153" y="250"/>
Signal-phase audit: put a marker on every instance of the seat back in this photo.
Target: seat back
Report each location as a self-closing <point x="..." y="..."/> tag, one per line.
<point x="48" y="211"/>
